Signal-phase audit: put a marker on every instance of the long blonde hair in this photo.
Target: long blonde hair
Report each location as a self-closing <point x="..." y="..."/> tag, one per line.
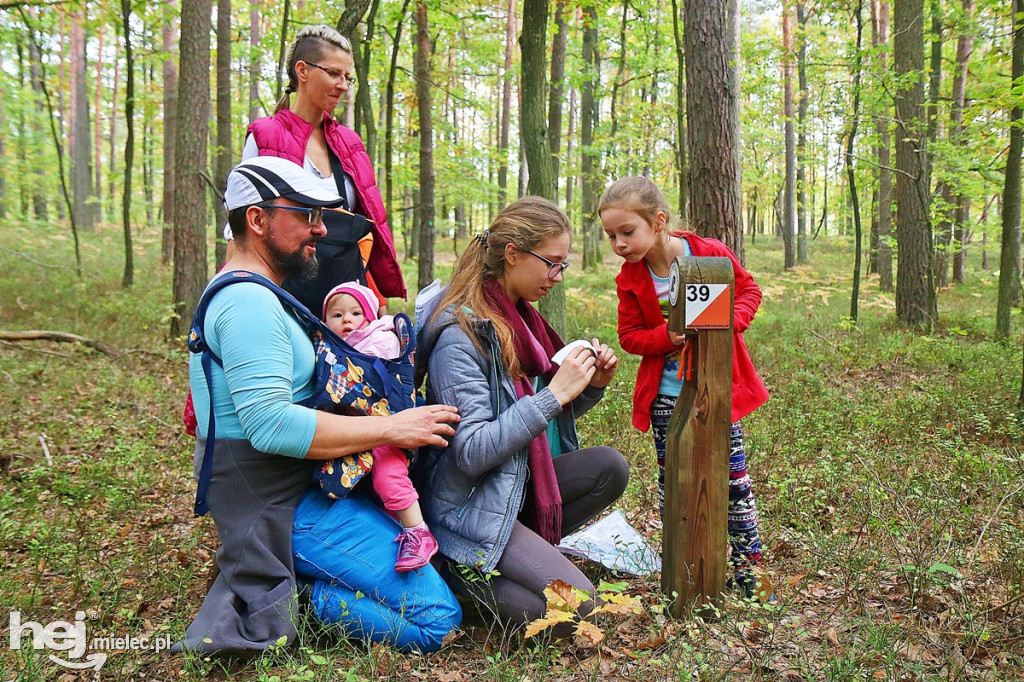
<point x="527" y="223"/>
<point x="638" y="194"/>
<point x="310" y="45"/>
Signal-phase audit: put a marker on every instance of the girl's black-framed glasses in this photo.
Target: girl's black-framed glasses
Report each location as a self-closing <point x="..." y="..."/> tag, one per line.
<point x="554" y="269"/>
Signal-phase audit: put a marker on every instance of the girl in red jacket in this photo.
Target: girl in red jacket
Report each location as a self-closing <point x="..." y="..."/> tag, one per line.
<point x="636" y="218"/>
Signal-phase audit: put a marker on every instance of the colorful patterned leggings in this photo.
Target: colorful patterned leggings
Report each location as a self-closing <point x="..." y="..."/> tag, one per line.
<point x="743" y="536"/>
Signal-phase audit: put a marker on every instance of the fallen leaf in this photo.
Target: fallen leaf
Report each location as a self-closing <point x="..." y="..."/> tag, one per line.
<point x="588" y="634"/>
<point x="652" y="643"/>
<point x="561" y="594"/>
<point x="552" y="617"/>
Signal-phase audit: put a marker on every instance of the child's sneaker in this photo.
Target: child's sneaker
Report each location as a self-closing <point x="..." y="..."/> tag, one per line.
<point x="416" y="547"/>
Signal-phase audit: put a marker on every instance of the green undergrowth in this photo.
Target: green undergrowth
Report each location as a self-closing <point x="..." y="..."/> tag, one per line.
<point x="888" y="468"/>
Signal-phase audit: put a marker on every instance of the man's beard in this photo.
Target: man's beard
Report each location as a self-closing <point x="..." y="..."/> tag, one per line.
<point x="294" y="265"/>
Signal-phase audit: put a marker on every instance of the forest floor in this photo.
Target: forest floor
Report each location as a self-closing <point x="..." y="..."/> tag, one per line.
<point x="888" y="468"/>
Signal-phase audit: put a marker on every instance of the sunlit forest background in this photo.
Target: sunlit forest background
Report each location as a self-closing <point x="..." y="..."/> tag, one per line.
<point x="874" y="195"/>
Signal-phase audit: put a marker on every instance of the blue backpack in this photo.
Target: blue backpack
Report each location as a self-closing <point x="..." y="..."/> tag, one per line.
<point x="345" y="380"/>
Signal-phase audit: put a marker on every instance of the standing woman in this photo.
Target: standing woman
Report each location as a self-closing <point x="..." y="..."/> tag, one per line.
<point x="319" y="65"/>
<point x="501" y="494"/>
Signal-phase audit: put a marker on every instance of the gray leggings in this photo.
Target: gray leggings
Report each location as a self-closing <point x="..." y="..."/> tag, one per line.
<point x="589" y="480"/>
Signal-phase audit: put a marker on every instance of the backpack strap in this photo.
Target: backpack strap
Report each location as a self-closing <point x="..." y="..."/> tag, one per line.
<point x="197" y="344"/>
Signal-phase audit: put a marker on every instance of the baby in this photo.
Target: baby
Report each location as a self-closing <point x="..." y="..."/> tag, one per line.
<point x="350" y="311"/>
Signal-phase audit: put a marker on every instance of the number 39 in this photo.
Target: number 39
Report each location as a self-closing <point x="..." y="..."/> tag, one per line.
<point x="698" y="292"/>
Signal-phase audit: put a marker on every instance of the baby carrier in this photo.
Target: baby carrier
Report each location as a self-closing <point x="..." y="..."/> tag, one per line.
<point x="345" y="381"/>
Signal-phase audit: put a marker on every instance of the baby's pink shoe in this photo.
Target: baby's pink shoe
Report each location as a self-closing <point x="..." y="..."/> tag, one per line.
<point x="416" y="548"/>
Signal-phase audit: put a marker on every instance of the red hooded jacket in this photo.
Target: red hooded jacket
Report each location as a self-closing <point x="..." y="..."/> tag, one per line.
<point x="643" y="331"/>
<point x="285" y="135"/>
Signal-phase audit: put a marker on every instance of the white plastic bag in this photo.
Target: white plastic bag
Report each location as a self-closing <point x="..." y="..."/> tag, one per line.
<point x="614" y="544"/>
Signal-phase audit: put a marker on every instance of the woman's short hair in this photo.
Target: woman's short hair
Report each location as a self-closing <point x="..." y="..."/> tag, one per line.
<point x="310" y="45"/>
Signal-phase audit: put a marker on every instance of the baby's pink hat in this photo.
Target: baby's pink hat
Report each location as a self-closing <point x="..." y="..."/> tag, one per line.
<point x="367" y="299"/>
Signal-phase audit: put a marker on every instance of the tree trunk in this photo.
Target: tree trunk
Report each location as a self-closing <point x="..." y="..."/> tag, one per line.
<point x="850" y="175"/>
<point x="112" y="131"/>
<point x="282" y="49"/>
<point x="712" y="108"/>
<point x="30" y="20"/>
<point x="789" y="197"/>
<point x="255" y="59"/>
<point x="421" y="67"/>
<point x="915" y="290"/>
<point x="224" y="155"/>
<point x="682" y="167"/>
<point x="961" y="238"/>
<point x="36" y="69"/>
<point x="1009" y="256"/>
<point x="190" y="191"/>
<point x="883" y="152"/>
<point x="619" y="70"/>
<point x="533" y="89"/>
<point x="558" y="44"/>
<point x="590" y="160"/>
<point x="570" y="165"/>
<point x="534" y="130"/>
<point x="97" y="127"/>
<point x="801" y="142"/>
<point x="128" y="277"/>
<point x="81" y="137"/>
<point x="389" y="113"/>
<point x="3" y="174"/>
<point x="149" y="83"/>
<point x="506" y="104"/>
<point x="365" y="124"/>
<point x="949" y="219"/>
<point x="934" y="74"/>
<point x="170" y="90"/>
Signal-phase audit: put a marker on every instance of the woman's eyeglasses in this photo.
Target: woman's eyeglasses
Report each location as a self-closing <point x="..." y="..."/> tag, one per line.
<point x="554" y="269"/>
<point x="332" y="74"/>
<point x="314" y="213"/>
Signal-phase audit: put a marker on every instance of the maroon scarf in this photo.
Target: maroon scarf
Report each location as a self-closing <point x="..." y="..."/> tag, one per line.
<point x="535" y="342"/>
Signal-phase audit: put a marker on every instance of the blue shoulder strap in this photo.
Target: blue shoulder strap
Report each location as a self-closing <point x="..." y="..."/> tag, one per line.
<point x="197" y="344"/>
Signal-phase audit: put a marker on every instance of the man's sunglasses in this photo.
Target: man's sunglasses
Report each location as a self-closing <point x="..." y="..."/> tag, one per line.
<point x="313" y="213"/>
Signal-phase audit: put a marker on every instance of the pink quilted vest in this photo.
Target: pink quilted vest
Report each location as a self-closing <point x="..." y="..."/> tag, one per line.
<point x="285" y="135"/>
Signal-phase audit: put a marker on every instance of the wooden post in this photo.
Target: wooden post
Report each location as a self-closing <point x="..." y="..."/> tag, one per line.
<point x="696" y="542"/>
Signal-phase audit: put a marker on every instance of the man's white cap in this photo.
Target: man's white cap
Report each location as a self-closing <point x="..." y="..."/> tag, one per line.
<point x="264" y="178"/>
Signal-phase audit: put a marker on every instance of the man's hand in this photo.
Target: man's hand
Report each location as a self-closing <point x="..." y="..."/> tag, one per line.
<point x="419" y="426"/>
